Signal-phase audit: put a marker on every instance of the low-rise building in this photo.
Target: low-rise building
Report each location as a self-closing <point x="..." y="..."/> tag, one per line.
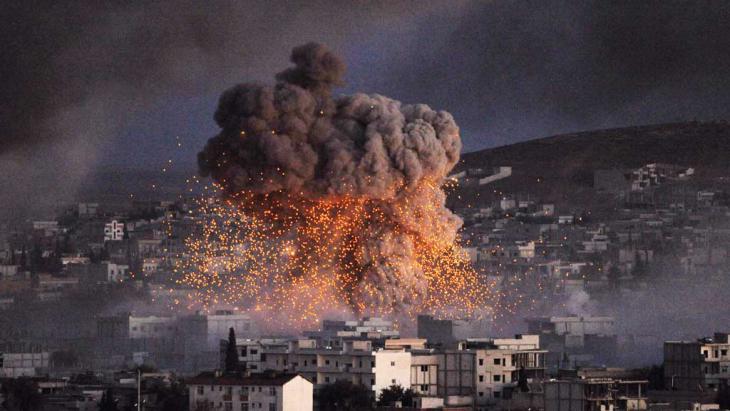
<point x="697" y="365"/>
<point x="267" y="391"/>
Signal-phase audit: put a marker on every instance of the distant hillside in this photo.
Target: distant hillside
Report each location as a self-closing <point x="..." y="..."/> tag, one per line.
<point x="561" y="167"/>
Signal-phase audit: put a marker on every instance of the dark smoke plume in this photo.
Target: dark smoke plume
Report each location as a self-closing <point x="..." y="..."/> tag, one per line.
<point x="295" y="137"/>
<point x="293" y="144"/>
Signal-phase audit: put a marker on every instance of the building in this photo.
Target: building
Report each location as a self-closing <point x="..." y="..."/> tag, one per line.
<point x="113" y="231"/>
<point x="356" y="361"/>
<point x="267" y="392"/>
<point x="447" y="333"/>
<point x="334" y="333"/>
<point x="595" y="394"/>
<point x="504" y="365"/>
<point x="23" y="364"/>
<point x="701" y="365"/>
<point x="251" y="352"/>
<point x="576" y="340"/>
<point x="201" y="335"/>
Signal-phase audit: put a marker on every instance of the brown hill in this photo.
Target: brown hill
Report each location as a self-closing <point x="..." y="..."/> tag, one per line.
<point x="560" y="168"/>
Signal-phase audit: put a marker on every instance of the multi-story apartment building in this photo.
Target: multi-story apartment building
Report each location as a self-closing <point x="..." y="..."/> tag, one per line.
<point x="697" y="365"/>
<point x="357" y="362"/>
<point x="504" y="364"/>
<point x="266" y="392"/>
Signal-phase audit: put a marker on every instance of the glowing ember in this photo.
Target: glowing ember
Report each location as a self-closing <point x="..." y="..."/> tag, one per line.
<point x="329" y="205"/>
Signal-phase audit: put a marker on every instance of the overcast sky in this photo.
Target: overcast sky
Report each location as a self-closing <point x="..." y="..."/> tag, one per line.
<point x="90" y="83"/>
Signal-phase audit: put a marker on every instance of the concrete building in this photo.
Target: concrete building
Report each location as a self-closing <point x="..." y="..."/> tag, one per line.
<point x="504" y="364"/>
<point x="251" y="352"/>
<point x="701" y="365"/>
<point x="25" y="364"/>
<point x="576" y="340"/>
<point x="447" y="333"/>
<point x="113" y="231"/>
<point x="595" y="394"/>
<point x="333" y="332"/>
<point x="392" y="367"/>
<point x="267" y="392"/>
<point x="357" y="362"/>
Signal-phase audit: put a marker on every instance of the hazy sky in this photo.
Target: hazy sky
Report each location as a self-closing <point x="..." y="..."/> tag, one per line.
<point x="89" y="83"/>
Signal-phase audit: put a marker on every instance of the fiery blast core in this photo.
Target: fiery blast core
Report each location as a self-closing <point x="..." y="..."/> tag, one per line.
<point x="329" y="204"/>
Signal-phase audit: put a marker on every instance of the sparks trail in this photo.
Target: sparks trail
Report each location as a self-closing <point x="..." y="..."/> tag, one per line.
<point x="329" y="204"/>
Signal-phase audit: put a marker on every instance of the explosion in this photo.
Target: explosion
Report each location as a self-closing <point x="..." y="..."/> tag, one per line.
<point x="329" y="204"/>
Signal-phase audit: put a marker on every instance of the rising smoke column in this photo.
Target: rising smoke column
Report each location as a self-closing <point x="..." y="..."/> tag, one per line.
<point x="347" y="188"/>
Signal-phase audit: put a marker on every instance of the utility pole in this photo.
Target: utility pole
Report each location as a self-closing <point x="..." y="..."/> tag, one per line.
<point x="139" y="389"/>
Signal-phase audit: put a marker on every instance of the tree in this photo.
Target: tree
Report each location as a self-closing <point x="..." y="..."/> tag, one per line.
<point x="639" y="270"/>
<point x="656" y="377"/>
<point x="614" y="277"/>
<point x="36" y="258"/>
<point x="344" y="395"/>
<point x="20" y="394"/>
<point x="723" y="397"/>
<point x="23" y="259"/>
<point x="522" y="380"/>
<point x="108" y="403"/>
<point x="394" y="393"/>
<point x="231" y="352"/>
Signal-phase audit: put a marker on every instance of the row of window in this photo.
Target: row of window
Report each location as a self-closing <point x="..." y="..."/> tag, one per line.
<point x="497" y="378"/>
<point x="228" y="406"/>
<point x="229" y="389"/>
<point x="497" y="361"/>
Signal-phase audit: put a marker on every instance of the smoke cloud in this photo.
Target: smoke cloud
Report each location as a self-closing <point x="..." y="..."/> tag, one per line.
<point x="293" y="152"/>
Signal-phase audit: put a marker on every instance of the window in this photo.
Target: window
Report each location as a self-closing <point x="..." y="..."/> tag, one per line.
<point x="326" y="362"/>
<point x="497" y="361"/>
<point x="372" y="381"/>
<point x="723" y="352"/>
<point x="497" y="378"/>
<point x="199" y="390"/>
<point x="424" y="387"/>
<point x="481" y="378"/>
<point x="220" y="388"/>
<point x="305" y="363"/>
<point x="392" y="363"/>
<point x="392" y="381"/>
<point x="704" y="353"/>
<point x="272" y="406"/>
<point x="424" y="368"/>
<point x="497" y="394"/>
<point x="272" y="390"/>
<point x="326" y="379"/>
<point x="481" y="394"/>
<point x="481" y="361"/>
<point x="229" y="390"/>
<point x="254" y="352"/>
<point x="228" y="406"/>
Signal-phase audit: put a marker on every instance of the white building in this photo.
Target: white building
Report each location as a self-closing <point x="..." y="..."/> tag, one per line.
<point x="113" y="231"/>
<point x="267" y="392"/>
<point x="115" y="273"/>
<point x="392" y="367"/>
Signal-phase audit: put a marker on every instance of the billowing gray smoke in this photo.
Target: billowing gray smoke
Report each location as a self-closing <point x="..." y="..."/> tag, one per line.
<point x="294" y="136"/>
<point x="294" y="142"/>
